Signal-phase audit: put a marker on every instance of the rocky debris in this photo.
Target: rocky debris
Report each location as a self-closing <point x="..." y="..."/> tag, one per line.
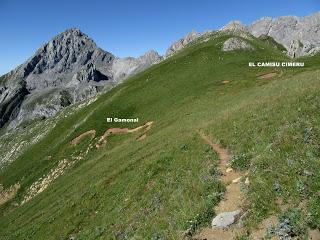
<point x="67" y="69"/>
<point x="41" y="184"/>
<point x="237" y="180"/>
<point x="225" y="219"/>
<point x="247" y="181"/>
<point x="181" y="43"/>
<point x="299" y="35"/>
<point x="13" y="143"/>
<point x="7" y="194"/>
<point x="235" y="44"/>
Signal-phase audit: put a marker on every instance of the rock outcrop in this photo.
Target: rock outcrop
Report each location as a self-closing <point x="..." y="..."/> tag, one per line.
<point x="236" y="44"/>
<point x="67" y="69"/>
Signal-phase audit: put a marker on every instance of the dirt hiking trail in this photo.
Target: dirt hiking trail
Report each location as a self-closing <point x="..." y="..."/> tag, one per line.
<point x="103" y="139"/>
<point x="110" y="131"/>
<point x="233" y="196"/>
<point x="76" y="140"/>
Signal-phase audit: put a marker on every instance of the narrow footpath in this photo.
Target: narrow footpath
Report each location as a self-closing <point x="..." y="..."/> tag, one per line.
<point x="228" y="212"/>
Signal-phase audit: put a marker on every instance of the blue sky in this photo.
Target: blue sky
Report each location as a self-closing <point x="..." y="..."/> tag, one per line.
<point x="125" y="28"/>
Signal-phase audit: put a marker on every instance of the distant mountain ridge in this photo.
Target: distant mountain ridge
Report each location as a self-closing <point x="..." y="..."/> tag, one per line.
<point x="299" y="35"/>
<point x="71" y="67"/>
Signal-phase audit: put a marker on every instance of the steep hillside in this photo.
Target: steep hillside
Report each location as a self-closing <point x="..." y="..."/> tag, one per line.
<point x="157" y="178"/>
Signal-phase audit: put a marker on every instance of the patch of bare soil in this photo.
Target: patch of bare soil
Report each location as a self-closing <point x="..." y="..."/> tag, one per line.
<point x="9" y="193"/>
<point x="103" y="138"/>
<point x="141" y="137"/>
<point x="91" y="133"/>
<point x="233" y="197"/>
<point x="314" y="234"/>
<point x="268" y="75"/>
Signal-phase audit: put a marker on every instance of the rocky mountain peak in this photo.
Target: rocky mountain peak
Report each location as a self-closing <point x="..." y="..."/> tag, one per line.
<point x="150" y="56"/>
<point x="235" y="26"/>
<point x="181" y="43"/>
<point x="61" y="54"/>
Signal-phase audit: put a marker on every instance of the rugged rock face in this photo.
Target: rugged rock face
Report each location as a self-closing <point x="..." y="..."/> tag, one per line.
<point x="181" y="43"/>
<point x="123" y="67"/>
<point x="299" y="35"/>
<point x="67" y="69"/>
<point x="235" y="44"/>
<point x="236" y="27"/>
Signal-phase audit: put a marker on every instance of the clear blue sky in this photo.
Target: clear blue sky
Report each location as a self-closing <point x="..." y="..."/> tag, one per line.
<point x="125" y="27"/>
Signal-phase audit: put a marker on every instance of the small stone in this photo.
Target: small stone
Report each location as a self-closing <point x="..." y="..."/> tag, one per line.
<point x="229" y="169"/>
<point x="225" y="219"/>
<point x="247" y="182"/>
<point x="236" y="180"/>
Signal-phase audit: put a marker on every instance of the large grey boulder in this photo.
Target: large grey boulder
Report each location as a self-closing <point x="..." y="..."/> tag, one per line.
<point x="225" y="219"/>
<point x="67" y="69"/>
<point x="236" y="44"/>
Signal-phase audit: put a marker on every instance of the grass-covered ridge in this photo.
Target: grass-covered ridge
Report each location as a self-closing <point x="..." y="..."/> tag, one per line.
<point x="159" y="187"/>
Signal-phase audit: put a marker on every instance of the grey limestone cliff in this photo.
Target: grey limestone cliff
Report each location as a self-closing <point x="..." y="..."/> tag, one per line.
<point x="299" y="35"/>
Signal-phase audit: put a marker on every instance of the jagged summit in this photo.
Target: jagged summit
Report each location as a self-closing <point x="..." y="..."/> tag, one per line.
<point x="236" y="26"/>
<point x="299" y="35"/>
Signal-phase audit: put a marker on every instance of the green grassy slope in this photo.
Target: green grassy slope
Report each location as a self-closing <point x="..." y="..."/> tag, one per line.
<point x="159" y="187"/>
